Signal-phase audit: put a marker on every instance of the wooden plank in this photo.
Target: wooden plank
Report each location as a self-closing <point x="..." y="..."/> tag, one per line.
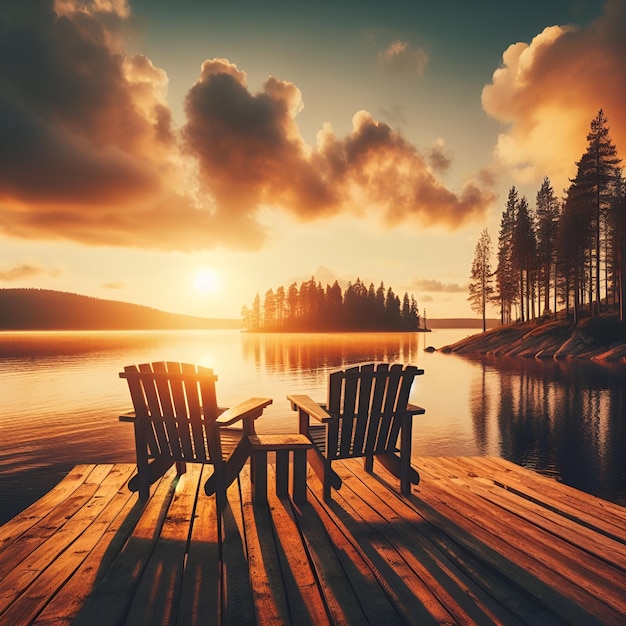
<point x="579" y="536"/>
<point x="112" y="596"/>
<point x="289" y="441"/>
<point x="156" y="598"/>
<point x="67" y="602"/>
<point x="474" y="543"/>
<point x="306" y="605"/>
<point x="511" y="553"/>
<point x="102" y="509"/>
<point x="584" y="508"/>
<point x="328" y="544"/>
<point x="464" y="576"/>
<point x="238" y="605"/>
<point x="268" y="591"/>
<point x="371" y="524"/>
<point x="575" y="547"/>
<point x="200" y="587"/>
<point x="30" y="516"/>
<point x="345" y="578"/>
<point x="23" y="561"/>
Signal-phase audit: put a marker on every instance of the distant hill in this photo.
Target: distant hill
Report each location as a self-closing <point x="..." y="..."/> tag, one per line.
<point x="461" y="322"/>
<point x="43" y="309"/>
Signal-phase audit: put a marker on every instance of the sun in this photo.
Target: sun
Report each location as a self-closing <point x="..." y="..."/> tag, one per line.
<point x="206" y="281"/>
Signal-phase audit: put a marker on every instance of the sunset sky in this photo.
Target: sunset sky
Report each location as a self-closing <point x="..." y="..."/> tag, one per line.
<point x="187" y="155"/>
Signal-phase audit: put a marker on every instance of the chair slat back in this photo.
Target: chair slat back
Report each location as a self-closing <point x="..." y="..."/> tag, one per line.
<point x="370" y="402"/>
<point x="176" y="405"/>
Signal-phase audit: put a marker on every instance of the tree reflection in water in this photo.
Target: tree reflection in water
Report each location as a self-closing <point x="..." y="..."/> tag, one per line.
<point x="565" y="418"/>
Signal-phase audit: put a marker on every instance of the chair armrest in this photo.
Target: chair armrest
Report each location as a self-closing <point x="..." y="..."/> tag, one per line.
<point x="310" y="407"/>
<point x="251" y="408"/>
<point x="413" y="409"/>
<point x="127" y="417"/>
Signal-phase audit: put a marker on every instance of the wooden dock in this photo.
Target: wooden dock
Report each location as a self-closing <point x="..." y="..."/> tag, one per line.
<point x="479" y="541"/>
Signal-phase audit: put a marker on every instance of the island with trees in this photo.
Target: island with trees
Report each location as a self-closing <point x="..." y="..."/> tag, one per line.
<point x="313" y="308"/>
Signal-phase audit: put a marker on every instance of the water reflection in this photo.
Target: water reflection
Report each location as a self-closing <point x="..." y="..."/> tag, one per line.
<point x="324" y="351"/>
<point x="564" y="418"/>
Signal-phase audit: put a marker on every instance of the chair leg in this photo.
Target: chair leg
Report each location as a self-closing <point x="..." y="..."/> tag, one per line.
<point x="368" y="464"/>
<point x="326" y="493"/>
<point x="401" y="469"/>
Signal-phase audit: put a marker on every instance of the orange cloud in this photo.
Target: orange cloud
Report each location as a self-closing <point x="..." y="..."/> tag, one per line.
<point x="399" y="56"/>
<point x="90" y="153"/>
<point x="436" y="286"/>
<point x="547" y="92"/>
<point x="439" y="157"/>
<point x="251" y="153"/>
<point x="22" y="271"/>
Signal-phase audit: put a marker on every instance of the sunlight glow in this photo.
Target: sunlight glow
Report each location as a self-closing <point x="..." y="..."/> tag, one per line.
<point x="207" y="281"/>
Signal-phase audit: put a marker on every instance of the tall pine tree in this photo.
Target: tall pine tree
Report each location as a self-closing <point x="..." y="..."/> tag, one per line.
<point x="596" y="171"/>
<point x="480" y="287"/>
<point x="547" y="213"/>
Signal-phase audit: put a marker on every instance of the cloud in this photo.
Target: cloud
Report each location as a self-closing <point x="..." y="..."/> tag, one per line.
<point x="439" y="156"/>
<point x="376" y="167"/>
<point x="89" y="151"/>
<point x="115" y="285"/>
<point x="401" y="57"/>
<point x="436" y="286"/>
<point x="250" y="153"/>
<point x="22" y="272"/>
<point x="547" y="92"/>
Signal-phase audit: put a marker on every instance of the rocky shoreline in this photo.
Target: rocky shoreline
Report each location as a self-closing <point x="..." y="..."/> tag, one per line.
<point x="596" y="339"/>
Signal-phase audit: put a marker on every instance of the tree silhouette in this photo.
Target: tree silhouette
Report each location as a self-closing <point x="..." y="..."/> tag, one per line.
<point x="505" y="276"/>
<point x="310" y="307"/>
<point x="574" y="249"/>
<point x="548" y="211"/>
<point x="596" y="171"/>
<point x="480" y="287"/>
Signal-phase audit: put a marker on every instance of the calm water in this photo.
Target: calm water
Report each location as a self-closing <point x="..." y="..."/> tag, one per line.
<point x="61" y="397"/>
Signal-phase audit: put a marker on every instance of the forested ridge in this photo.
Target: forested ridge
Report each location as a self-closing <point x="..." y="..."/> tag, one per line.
<point x="43" y="309"/>
<point x="564" y="254"/>
<point x="311" y="307"/>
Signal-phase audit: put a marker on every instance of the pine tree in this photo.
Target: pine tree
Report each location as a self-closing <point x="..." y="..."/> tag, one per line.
<point x="596" y="170"/>
<point x="573" y="245"/>
<point x="547" y="212"/>
<point x="269" y="310"/>
<point x="617" y="219"/>
<point x="505" y="278"/>
<point x="524" y="250"/>
<point x="480" y="287"/>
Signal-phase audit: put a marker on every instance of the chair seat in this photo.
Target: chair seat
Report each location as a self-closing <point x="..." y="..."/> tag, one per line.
<point x="230" y="438"/>
<point x="317" y="434"/>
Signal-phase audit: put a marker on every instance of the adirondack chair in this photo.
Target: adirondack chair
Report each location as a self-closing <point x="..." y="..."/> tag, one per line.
<point x="177" y="420"/>
<point x="367" y="409"/>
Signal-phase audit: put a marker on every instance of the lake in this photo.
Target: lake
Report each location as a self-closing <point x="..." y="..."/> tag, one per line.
<point x="61" y="397"/>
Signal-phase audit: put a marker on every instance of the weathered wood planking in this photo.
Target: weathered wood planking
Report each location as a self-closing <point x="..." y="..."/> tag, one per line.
<point x="479" y="540"/>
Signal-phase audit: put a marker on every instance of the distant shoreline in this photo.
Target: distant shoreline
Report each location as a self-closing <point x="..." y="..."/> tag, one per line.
<point x="25" y="309"/>
<point x="601" y="339"/>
